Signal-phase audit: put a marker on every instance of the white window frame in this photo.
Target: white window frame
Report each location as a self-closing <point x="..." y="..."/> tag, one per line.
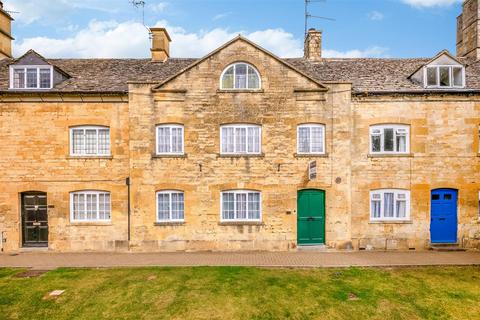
<point x="396" y="192"/>
<point x="395" y="128"/>
<point x="87" y="192"/>
<point x="25" y="67"/>
<point x="167" y="125"/>
<point x="235" y="77"/>
<point x="438" y="86"/>
<point x="97" y="154"/>
<point x="241" y="126"/>
<point x="240" y="191"/>
<point x="169" y="192"/>
<point x="311" y="125"/>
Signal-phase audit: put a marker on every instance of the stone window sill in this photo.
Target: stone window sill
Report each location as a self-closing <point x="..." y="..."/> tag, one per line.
<point x="390" y="155"/>
<point x="91" y="224"/>
<point x="89" y="157"/>
<point x="240" y="91"/>
<point x="240" y="223"/>
<point x="169" y="223"/>
<point x="169" y="156"/>
<point x="310" y="155"/>
<point x="261" y="155"/>
<point x="391" y="222"/>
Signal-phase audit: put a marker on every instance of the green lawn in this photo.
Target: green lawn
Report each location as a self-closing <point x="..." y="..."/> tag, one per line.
<point x="243" y="293"/>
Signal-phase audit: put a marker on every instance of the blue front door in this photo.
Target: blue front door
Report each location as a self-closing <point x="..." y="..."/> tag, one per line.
<point x="443" y="216"/>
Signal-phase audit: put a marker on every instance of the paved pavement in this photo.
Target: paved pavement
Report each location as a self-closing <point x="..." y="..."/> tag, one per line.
<point x="48" y="260"/>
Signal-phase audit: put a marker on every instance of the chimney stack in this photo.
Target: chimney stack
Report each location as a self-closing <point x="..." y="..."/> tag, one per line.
<point x="468" y="30"/>
<point x="313" y="45"/>
<point x="5" y="33"/>
<point x="160" y="44"/>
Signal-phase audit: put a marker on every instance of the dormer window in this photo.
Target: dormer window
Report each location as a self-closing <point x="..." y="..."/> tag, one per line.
<point x="441" y="77"/>
<point x="240" y="76"/>
<point x="31" y="77"/>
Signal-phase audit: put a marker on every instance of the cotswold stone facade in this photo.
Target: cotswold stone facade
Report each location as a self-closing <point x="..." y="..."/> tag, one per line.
<point x="85" y="165"/>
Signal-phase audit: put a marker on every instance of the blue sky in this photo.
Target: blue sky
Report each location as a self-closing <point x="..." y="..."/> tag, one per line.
<point x="112" y="28"/>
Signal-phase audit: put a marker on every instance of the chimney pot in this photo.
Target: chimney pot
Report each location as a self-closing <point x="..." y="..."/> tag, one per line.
<point x="160" y="44"/>
<point x="313" y="45"/>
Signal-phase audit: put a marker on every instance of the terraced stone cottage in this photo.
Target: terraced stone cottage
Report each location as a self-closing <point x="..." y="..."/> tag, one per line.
<point x="241" y="149"/>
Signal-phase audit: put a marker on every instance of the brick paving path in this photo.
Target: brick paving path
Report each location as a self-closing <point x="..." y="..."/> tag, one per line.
<point x="47" y="260"/>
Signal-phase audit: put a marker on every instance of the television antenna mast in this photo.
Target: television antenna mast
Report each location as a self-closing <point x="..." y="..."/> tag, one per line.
<point x="309" y="16"/>
<point x="140" y="4"/>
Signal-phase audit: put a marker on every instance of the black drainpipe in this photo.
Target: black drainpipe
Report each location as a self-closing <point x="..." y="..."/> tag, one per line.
<point x="127" y="181"/>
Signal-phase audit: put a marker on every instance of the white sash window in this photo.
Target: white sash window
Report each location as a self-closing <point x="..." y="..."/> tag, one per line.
<point x="389" y="139"/>
<point x="170" y="206"/>
<point x="90" y="206"/>
<point x="389" y="204"/>
<point x="241" y="205"/>
<point x="170" y="139"/>
<point x="89" y="141"/>
<point x="240" y="139"/>
<point x="311" y="139"/>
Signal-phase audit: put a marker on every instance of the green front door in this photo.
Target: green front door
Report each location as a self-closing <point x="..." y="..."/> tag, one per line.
<point x="311" y="217"/>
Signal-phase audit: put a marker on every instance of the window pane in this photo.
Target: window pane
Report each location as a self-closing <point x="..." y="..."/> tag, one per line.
<point x="227" y="81"/>
<point x="163" y="206"/>
<point x="317" y="139"/>
<point x="240" y="76"/>
<point x="304" y="140"/>
<point x="91" y="206"/>
<point x="19" y="78"/>
<point x="253" y="81"/>
<point x="376" y="205"/>
<point x="228" y="145"/>
<point x="44" y="78"/>
<point x="177" y="206"/>
<point x="388" y="139"/>
<point x="376" y="142"/>
<point x="241" y="206"/>
<point x="432" y="77"/>
<point x="163" y="139"/>
<point x="228" y="206"/>
<point x="388" y="205"/>
<point x="458" y="77"/>
<point x="254" y="206"/>
<point x="90" y="141"/>
<point x="32" y="78"/>
<point x="78" y="143"/>
<point x="104" y="141"/>
<point x="401" y="209"/>
<point x="253" y="139"/>
<point x="445" y="77"/>
<point x="401" y="143"/>
<point x="177" y="141"/>
<point x="241" y="140"/>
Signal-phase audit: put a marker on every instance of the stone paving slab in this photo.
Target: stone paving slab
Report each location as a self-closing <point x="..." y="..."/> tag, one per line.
<point x="48" y="260"/>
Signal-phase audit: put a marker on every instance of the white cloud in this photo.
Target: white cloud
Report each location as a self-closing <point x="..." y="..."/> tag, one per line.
<point x="111" y="39"/>
<point x="431" y="3"/>
<point x="221" y="16"/>
<point x="30" y="11"/>
<point x="372" y="52"/>
<point x="158" y="7"/>
<point x="375" y="16"/>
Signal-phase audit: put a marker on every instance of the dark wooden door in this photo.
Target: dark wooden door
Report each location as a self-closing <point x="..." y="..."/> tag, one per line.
<point x="34" y="219"/>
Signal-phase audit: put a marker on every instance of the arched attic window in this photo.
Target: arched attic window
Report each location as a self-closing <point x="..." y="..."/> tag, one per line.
<point x="240" y="76"/>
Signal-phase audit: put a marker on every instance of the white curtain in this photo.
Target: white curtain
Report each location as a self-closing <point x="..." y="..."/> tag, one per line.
<point x="228" y="206"/>
<point x="401" y="208"/>
<point x="317" y="139"/>
<point x="303" y="140"/>
<point x="388" y="205"/>
<point x="254" y="205"/>
<point x="241" y="206"/>
<point x="163" y="206"/>
<point x="376" y="208"/>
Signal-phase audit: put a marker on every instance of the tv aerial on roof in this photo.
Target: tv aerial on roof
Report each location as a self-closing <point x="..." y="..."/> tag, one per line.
<point x="309" y="16"/>
<point x="141" y="4"/>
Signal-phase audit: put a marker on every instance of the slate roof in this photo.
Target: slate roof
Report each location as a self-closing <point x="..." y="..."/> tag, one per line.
<point x="371" y="75"/>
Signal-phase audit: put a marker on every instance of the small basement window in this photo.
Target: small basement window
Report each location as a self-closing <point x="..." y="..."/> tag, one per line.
<point x="444" y="77"/>
<point x="31" y="77"/>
